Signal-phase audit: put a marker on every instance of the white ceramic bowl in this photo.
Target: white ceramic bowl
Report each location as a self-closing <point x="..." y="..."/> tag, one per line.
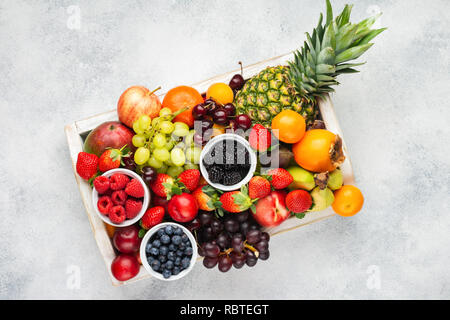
<point x="143" y="254"/>
<point x="219" y="138"/>
<point x="145" y="203"/>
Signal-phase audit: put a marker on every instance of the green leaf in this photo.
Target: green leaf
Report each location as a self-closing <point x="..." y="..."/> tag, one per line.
<point x="329" y="38"/>
<point x="329" y="12"/>
<point x="370" y="36"/>
<point x="325" y="68"/>
<point x="142" y="233"/>
<point x="326" y="56"/>
<point x="299" y="215"/>
<point x="345" y="39"/>
<point x="352" y="53"/>
<point x="344" y="17"/>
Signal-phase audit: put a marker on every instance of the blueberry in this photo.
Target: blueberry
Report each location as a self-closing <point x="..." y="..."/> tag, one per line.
<point x="163" y="266"/>
<point x="150" y="259"/>
<point x="185" y="262"/>
<point x="154" y="251"/>
<point x="162" y="258"/>
<point x="148" y="246"/>
<point x="180" y="253"/>
<point x="156" y="243"/>
<point x="160" y="232"/>
<point x="188" y="251"/>
<point x="169" y="230"/>
<point x="169" y="265"/>
<point x="178" y="231"/>
<point x="165" y="239"/>
<point x="166" y="273"/>
<point x="172" y="247"/>
<point x="163" y="250"/>
<point x="176" y="271"/>
<point x="176" y="240"/>
<point x="184" y="237"/>
<point x="182" y="246"/>
<point x="177" y="261"/>
<point x="171" y="256"/>
<point x="155" y="265"/>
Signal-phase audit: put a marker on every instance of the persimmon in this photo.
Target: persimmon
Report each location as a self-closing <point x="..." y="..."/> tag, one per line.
<point x="348" y="201"/>
<point x="288" y="126"/>
<point x="319" y="150"/>
<point x="181" y="97"/>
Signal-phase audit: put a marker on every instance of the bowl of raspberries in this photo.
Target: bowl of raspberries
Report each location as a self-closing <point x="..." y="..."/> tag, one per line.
<point x="120" y="197"/>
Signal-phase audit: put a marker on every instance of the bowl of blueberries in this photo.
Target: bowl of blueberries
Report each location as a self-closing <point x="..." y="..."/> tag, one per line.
<point x="168" y="251"/>
<point x="227" y="162"/>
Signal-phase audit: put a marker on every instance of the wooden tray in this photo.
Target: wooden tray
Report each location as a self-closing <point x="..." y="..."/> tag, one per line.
<point x="77" y="131"/>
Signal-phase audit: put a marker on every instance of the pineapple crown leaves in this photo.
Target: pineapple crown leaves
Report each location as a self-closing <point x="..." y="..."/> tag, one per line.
<point x="325" y="52"/>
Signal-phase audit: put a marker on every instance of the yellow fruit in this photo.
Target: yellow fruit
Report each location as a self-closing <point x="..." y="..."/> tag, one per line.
<point x="221" y="93"/>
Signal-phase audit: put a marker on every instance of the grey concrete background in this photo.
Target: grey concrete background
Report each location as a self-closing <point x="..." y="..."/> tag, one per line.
<point x="394" y="116"/>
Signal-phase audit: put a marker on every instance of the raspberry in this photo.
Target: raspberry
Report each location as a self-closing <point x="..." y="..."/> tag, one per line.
<point x="104" y="204"/>
<point x="152" y="217"/>
<point x="117" y="214"/>
<point x="101" y="184"/>
<point x="118" y="181"/>
<point x="119" y="197"/>
<point x="135" y="189"/>
<point x="132" y="208"/>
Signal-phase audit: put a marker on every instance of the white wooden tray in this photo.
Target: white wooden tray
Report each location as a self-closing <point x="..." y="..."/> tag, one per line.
<point x="78" y="130"/>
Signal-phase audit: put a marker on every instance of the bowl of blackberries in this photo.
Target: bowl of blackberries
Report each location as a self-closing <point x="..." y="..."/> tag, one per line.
<point x="168" y="251"/>
<point x="227" y="162"/>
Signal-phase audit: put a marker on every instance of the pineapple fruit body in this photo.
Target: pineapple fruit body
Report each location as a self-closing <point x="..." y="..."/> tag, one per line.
<point x="268" y="93"/>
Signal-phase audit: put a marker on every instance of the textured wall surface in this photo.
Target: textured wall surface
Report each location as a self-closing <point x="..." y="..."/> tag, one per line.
<point x="56" y="68"/>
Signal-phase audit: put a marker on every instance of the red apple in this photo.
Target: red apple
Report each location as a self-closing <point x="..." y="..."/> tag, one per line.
<point x="126" y="239"/>
<point x="111" y="134"/>
<point x="136" y="101"/>
<point x="271" y="210"/>
<point x="124" y="267"/>
<point x="183" y="207"/>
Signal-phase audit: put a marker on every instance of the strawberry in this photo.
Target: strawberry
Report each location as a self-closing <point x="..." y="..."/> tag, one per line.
<point x="205" y="197"/>
<point x="236" y="201"/>
<point x="163" y="185"/>
<point x="110" y="159"/>
<point x="152" y="217"/>
<point x="259" y="138"/>
<point x="101" y="184"/>
<point x="87" y="165"/>
<point x="119" y="197"/>
<point x="258" y="187"/>
<point x="298" y="201"/>
<point x="104" y="204"/>
<point x="118" y="181"/>
<point x="132" y="207"/>
<point x="117" y="214"/>
<point x="190" y="178"/>
<point x="280" y="178"/>
<point x="135" y="189"/>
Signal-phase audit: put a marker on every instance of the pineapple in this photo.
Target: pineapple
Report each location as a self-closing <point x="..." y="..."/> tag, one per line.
<point x="313" y="71"/>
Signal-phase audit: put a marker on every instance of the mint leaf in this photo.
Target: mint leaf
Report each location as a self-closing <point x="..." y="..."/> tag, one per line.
<point x="300" y="215"/>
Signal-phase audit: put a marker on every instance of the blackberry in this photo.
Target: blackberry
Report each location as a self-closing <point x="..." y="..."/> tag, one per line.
<point x="215" y="174"/>
<point x="232" y="178"/>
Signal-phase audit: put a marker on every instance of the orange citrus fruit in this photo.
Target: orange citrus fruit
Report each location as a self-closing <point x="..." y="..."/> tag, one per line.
<point x="221" y="93"/>
<point x="312" y="152"/>
<point x="182" y="97"/>
<point x="348" y="201"/>
<point x="288" y="126"/>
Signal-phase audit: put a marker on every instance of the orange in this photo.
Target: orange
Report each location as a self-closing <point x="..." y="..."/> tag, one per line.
<point x="221" y="93"/>
<point x="182" y="97"/>
<point x="312" y="152"/>
<point x="348" y="201"/>
<point x="110" y="229"/>
<point x="288" y="126"/>
<point x="217" y="130"/>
